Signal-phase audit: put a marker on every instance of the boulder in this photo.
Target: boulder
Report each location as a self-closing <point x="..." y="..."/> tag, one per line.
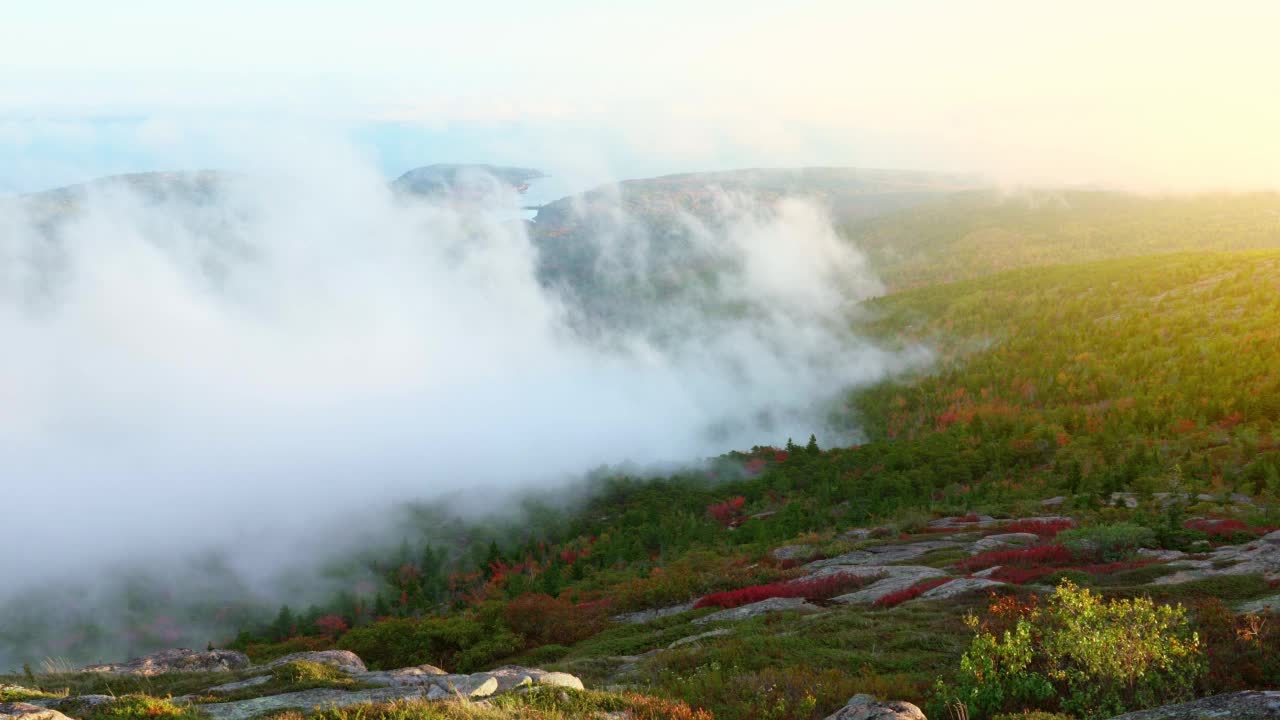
<point x="1247" y="705"/>
<point x="179" y="660"/>
<point x="27" y="711"/>
<point x="967" y="522"/>
<point x="866" y="707"/>
<point x="1004" y="541"/>
<point x="559" y="679"/>
<point x="416" y="675"/>
<point x="1054" y="501"/>
<point x="344" y="660"/>
<point x="757" y="608"/>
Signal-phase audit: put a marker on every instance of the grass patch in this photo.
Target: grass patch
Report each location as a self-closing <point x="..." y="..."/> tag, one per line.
<point x="16" y="693"/>
<point x="134" y="707"/>
<point x="163" y="685"/>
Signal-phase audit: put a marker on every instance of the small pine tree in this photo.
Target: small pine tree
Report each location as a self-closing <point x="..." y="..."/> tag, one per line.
<point x="812" y="447"/>
<point x="284" y="624"/>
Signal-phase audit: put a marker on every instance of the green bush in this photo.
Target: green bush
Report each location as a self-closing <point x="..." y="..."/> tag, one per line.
<point x="462" y="643"/>
<point x="1079" y="654"/>
<point x="1108" y="543"/>
<point x="302" y="671"/>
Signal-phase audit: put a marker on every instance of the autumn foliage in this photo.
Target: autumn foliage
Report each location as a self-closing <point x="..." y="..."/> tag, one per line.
<point x="810" y="589"/>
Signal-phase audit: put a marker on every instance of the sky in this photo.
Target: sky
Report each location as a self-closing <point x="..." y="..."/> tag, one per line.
<point x="1157" y="95"/>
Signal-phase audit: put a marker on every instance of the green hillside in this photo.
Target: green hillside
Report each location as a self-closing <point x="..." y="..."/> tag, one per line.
<point x="972" y="234"/>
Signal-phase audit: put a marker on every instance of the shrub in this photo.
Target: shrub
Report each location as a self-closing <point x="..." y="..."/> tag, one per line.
<point x="1243" y="650"/>
<point x="1044" y="528"/>
<point x="461" y="642"/>
<point x="1043" y="555"/>
<point x="920" y="588"/>
<point x="302" y="671"/>
<point x="1226" y="529"/>
<point x="541" y="619"/>
<point x="729" y="512"/>
<point x="1080" y="654"/>
<point x="810" y="589"/>
<point x="1108" y="543"/>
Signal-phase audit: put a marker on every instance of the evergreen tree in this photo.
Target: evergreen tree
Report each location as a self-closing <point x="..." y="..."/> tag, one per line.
<point x="284" y="625"/>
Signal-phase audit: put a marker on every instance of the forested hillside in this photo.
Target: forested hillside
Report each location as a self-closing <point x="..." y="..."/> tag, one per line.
<point x="1131" y="404"/>
<point x="971" y="234"/>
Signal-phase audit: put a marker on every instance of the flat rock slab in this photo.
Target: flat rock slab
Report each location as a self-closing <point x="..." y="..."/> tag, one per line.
<point x="1255" y="606"/>
<point x="897" y="578"/>
<point x="1259" y="557"/>
<point x="959" y="586"/>
<point x="1248" y="705"/>
<point x="645" y="616"/>
<point x="883" y="554"/>
<point x="758" y="608"/>
<point x="308" y="700"/>
<point x="719" y="632"/>
<point x="240" y="685"/>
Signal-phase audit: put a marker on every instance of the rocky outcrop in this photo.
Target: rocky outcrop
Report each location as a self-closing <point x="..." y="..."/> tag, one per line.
<point x="1248" y="705"/>
<point x="423" y="682"/>
<point x="1260" y="557"/>
<point x="881" y="555"/>
<point x="896" y="578"/>
<point x="27" y="711"/>
<point x="758" y="608"/>
<point x="866" y="707"/>
<point x="180" y="660"/>
<point x="344" y="660"/>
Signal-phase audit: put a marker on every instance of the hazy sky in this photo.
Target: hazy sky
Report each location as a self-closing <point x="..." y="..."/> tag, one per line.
<point x="1162" y="94"/>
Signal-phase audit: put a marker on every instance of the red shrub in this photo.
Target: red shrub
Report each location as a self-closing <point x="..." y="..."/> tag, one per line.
<point x="331" y="625"/>
<point x="810" y="589"/>
<point x="729" y="512"/>
<point x="1020" y="576"/>
<point x="1043" y="555"/>
<point x="920" y="588"/>
<point x="542" y="619"/>
<point x="1224" y="528"/>
<point x="1043" y="528"/>
<point x="1023" y="575"/>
